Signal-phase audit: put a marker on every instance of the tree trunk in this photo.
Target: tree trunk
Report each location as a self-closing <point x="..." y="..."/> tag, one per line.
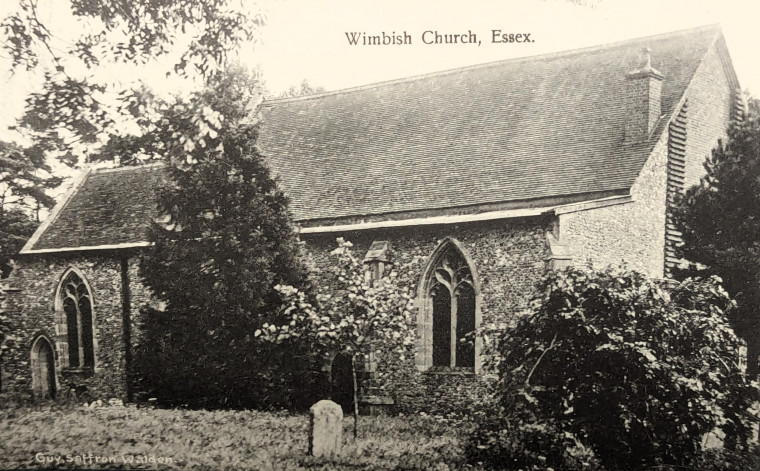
<point x="356" y="395"/>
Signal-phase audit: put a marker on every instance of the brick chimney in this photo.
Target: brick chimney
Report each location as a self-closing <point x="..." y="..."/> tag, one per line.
<point x="643" y="99"/>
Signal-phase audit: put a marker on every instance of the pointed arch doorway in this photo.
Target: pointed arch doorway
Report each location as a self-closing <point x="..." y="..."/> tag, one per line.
<point x="43" y="369"/>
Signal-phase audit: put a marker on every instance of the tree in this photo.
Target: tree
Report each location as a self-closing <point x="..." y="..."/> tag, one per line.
<point x="173" y="128"/>
<point x="351" y="313"/>
<point x="223" y="241"/>
<point x="612" y="369"/>
<point x="79" y="114"/>
<point x="25" y="180"/>
<point x="77" y="109"/>
<point x="720" y="223"/>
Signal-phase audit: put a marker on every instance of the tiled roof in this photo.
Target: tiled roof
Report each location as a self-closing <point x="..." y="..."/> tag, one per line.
<point x="516" y="131"/>
<point x="109" y="207"/>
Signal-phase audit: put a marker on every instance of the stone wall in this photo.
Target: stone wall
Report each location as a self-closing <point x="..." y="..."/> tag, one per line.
<point x="711" y="99"/>
<point x="31" y="310"/>
<point x="509" y="257"/>
<point x="631" y="233"/>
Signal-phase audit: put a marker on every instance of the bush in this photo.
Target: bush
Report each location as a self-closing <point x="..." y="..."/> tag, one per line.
<point x="730" y="460"/>
<point x="616" y="367"/>
<point x="514" y="438"/>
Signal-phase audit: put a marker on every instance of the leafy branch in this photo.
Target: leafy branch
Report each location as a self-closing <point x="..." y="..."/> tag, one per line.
<point x="350" y="313"/>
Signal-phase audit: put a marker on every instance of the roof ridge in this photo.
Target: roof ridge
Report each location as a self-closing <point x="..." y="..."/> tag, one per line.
<point x="544" y="56"/>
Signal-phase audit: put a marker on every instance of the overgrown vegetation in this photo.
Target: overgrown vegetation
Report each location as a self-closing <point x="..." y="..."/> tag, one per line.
<point x="613" y="371"/>
<point x="25" y="179"/>
<point x="720" y="222"/>
<point x="219" y="440"/>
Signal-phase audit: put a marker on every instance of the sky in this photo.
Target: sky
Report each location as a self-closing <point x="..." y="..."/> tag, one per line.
<point x="307" y="39"/>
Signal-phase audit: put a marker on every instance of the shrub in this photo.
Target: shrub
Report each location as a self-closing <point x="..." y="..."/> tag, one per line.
<point x="182" y="373"/>
<point x="612" y="365"/>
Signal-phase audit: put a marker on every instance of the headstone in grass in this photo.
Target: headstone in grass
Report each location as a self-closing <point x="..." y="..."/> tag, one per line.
<point x="326" y="431"/>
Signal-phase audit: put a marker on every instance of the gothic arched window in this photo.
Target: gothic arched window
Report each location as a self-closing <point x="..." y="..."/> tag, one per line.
<point x="449" y="311"/>
<point x="74" y="305"/>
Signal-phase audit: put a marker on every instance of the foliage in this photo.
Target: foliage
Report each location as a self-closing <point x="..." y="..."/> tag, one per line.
<point x="723" y="459"/>
<point x="512" y="435"/>
<point x="176" y="129"/>
<point x="351" y="313"/>
<point x="614" y="366"/>
<point x="219" y="440"/>
<point x="720" y="222"/>
<point x="77" y="108"/>
<point x="24" y="181"/>
<point x="15" y="228"/>
<point x="224" y="240"/>
<point x="25" y="178"/>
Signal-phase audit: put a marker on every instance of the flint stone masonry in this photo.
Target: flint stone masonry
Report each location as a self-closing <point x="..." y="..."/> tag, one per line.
<point x="326" y="428"/>
<point x="31" y="311"/>
<point x="509" y="257"/>
<point x="634" y="233"/>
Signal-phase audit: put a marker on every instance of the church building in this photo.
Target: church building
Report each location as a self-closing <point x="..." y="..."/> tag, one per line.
<point x="493" y="174"/>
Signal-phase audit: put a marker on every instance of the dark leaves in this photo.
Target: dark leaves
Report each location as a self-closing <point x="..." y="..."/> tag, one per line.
<point x="635" y="370"/>
<point x="223" y="241"/>
<point x="720" y="222"/>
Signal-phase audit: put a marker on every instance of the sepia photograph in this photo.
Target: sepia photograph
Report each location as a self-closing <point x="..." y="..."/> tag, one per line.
<point x="382" y="235"/>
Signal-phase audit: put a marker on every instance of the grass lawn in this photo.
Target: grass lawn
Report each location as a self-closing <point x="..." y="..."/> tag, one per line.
<point x="127" y="437"/>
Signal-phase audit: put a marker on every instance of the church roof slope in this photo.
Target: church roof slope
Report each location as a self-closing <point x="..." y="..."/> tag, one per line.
<point x="105" y="208"/>
<point x="522" y="133"/>
<point x="520" y="129"/>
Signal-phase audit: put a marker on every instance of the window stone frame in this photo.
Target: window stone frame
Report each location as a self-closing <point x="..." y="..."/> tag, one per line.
<point x="61" y="325"/>
<point x="424" y="350"/>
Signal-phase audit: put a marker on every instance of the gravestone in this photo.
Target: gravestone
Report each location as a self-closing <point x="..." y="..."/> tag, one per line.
<point x="326" y="431"/>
